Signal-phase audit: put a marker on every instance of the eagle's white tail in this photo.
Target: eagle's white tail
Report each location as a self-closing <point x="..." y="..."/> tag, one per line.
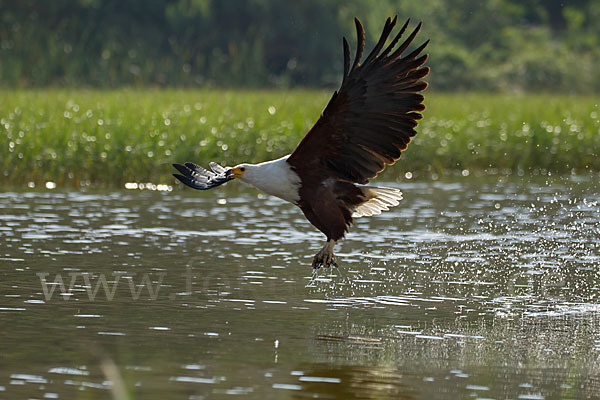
<point x="378" y="199"/>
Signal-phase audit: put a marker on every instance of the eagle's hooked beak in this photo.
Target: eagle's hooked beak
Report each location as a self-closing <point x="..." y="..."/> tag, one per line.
<point x="236" y="172"/>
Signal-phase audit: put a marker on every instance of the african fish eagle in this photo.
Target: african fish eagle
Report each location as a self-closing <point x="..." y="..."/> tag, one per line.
<point x="365" y="125"/>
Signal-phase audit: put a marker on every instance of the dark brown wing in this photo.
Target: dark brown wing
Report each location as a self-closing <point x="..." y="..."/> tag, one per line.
<point x="371" y="119"/>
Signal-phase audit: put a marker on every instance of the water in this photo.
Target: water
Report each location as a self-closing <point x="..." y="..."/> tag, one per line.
<point x="469" y="289"/>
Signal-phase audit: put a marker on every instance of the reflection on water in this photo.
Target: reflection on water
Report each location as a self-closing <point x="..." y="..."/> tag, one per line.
<point x="467" y="290"/>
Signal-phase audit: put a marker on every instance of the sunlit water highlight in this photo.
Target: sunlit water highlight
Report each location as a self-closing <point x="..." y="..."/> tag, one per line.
<point x="467" y="290"/>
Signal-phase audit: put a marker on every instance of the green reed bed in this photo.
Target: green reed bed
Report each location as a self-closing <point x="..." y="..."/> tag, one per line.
<point x="81" y="137"/>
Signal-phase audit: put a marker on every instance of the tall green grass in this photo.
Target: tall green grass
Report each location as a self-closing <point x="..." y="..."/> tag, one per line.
<point x="80" y="137"/>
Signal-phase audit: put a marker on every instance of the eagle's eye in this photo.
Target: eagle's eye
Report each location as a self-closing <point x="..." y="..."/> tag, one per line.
<point x="243" y="169"/>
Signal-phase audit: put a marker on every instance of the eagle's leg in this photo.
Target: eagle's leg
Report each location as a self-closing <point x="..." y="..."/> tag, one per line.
<point x="325" y="257"/>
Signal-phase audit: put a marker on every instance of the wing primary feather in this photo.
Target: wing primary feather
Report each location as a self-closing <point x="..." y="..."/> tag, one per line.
<point x="398" y="36"/>
<point x="346" y="60"/>
<point x="418" y="74"/>
<point x="407" y="42"/>
<point x="325" y="111"/>
<point x="387" y="29"/>
<point x="417" y="51"/>
<point x="360" y="43"/>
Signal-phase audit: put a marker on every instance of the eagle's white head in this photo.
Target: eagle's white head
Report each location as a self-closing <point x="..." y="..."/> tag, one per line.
<point x="273" y="177"/>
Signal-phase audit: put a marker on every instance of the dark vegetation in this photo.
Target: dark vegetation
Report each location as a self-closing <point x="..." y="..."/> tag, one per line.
<point x="499" y="45"/>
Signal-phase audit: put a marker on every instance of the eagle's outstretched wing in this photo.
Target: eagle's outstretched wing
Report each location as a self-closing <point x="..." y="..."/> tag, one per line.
<point x="371" y="119"/>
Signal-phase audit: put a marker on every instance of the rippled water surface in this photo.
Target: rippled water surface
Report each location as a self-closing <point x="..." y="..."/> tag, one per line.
<point x="468" y="289"/>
